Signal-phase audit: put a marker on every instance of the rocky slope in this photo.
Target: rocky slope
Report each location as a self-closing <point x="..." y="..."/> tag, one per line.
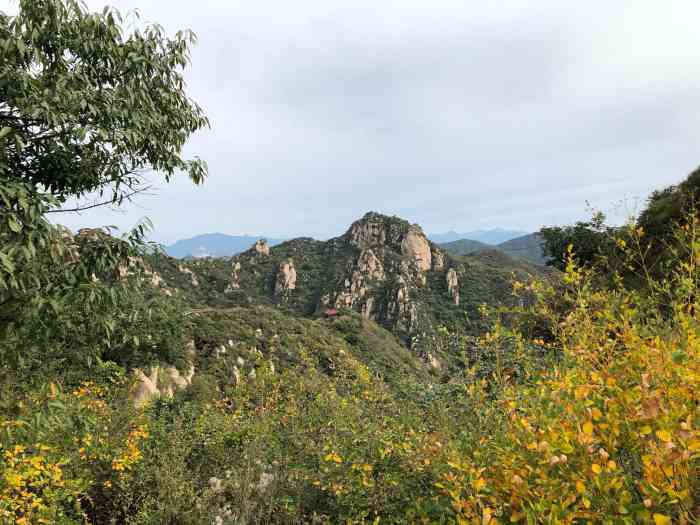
<point x="383" y="267"/>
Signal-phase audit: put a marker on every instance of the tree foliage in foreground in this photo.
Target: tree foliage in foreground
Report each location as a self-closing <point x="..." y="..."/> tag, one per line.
<point x="85" y="106"/>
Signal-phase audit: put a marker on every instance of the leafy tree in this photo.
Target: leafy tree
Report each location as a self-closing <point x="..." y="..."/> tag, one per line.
<point x="84" y="107"/>
<point x="666" y="209"/>
<point x="589" y="239"/>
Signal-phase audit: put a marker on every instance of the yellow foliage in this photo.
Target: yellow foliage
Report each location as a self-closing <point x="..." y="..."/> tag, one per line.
<point x="612" y="433"/>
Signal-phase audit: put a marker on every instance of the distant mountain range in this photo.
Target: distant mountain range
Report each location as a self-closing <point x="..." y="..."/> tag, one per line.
<point x="224" y="245"/>
<point x="527" y="247"/>
<point x="215" y="245"/>
<point x="492" y="237"/>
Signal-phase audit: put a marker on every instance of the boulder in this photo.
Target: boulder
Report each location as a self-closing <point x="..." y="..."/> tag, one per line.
<point x="416" y="247"/>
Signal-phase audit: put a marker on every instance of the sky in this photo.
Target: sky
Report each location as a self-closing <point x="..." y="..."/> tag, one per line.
<point x="457" y="115"/>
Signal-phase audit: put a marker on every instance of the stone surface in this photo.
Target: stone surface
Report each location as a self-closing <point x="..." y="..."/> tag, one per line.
<point x="189" y="273"/>
<point x="438" y="260"/>
<point x="286" y="277"/>
<point x="145" y="388"/>
<point x="415" y="246"/>
<point x="453" y="285"/>
<point x="367" y="232"/>
<point x="161" y="381"/>
<point x="369" y="265"/>
<point x="261" y="247"/>
<point x="235" y="283"/>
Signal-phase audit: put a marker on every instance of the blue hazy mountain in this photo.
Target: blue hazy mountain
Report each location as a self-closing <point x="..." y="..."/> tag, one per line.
<point x="527" y="247"/>
<point x="493" y="237"/>
<point x="215" y="245"/>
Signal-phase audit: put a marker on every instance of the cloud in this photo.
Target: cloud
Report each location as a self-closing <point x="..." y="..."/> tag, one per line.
<point x="457" y="115"/>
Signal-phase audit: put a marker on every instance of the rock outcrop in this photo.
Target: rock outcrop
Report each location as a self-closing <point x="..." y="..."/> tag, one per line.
<point x="286" y="277"/>
<point x="367" y="232"/>
<point x="438" y="260"/>
<point x="189" y="273"/>
<point x="416" y="247"/>
<point x="369" y="265"/>
<point x="401" y="311"/>
<point x="261" y="247"/>
<point x="453" y="285"/>
<point x="235" y="283"/>
<point x="368" y="270"/>
<point x="161" y="381"/>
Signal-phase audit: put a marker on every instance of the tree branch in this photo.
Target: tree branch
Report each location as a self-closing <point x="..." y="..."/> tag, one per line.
<point x="103" y="203"/>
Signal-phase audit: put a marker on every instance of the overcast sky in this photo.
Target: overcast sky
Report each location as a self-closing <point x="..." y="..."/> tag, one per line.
<point x="456" y="115"/>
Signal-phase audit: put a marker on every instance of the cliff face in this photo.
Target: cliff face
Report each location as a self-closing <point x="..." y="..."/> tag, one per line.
<point x="383" y="268"/>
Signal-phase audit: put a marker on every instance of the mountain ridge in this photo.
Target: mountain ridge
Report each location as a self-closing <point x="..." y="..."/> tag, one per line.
<point x="217" y="244"/>
<point x="527" y="247"/>
<point x="493" y="236"/>
<point x="383" y="267"/>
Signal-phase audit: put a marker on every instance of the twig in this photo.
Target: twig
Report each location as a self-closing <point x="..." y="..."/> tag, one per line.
<point x="103" y="203"/>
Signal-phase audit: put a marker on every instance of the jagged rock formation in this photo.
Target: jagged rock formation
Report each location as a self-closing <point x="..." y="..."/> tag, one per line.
<point x="370" y="266"/>
<point x="401" y="311"/>
<point x="261" y="247"/>
<point x="286" y="277"/>
<point x="354" y="294"/>
<point x="453" y="285"/>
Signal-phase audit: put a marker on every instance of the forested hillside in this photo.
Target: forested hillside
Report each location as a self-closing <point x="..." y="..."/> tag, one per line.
<point x="369" y="379"/>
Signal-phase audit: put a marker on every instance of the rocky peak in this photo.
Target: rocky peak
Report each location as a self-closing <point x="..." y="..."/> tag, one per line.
<point x="375" y="229"/>
<point x="261" y="247"/>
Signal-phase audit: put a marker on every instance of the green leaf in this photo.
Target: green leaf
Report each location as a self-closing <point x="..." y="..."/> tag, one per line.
<point x="14" y="224"/>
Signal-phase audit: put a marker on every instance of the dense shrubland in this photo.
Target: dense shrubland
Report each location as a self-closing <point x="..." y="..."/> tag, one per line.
<point x="579" y="406"/>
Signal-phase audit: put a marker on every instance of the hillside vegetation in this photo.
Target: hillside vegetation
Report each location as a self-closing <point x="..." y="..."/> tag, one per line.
<point x="369" y="379"/>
